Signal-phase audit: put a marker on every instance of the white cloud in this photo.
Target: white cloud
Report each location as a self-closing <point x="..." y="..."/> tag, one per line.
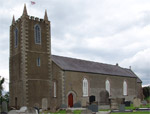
<point x="140" y="64"/>
<point x="100" y="30"/>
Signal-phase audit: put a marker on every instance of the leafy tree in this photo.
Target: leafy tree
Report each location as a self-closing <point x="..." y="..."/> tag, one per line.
<point x="1" y="89"/>
<point x="6" y="97"/>
<point x="1" y="85"/>
<point x="146" y="92"/>
<point x="3" y="97"/>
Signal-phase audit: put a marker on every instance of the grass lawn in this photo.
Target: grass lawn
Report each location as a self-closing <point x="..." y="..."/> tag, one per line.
<point x="127" y="108"/>
<point x="79" y="112"/>
<point x="132" y="108"/>
<point x="63" y="112"/>
<point x="131" y="112"/>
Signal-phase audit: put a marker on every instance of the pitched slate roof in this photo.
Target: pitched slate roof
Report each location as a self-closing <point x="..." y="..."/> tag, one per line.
<point x="78" y="65"/>
<point x="132" y="73"/>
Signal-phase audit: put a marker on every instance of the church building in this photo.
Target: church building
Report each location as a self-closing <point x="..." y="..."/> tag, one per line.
<point x="37" y="76"/>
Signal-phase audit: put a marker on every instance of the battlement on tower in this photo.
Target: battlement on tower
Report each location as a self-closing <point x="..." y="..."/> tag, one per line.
<point x="36" y="18"/>
<point x="26" y="16"/>
<point x="31" y="18"/>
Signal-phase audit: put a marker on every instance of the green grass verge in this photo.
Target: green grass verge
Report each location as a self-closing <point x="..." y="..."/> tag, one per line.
<point x="63" y="112"/>
<point x="132" y="107"/>
<point x="131" y="112"/>
<point x="127" y="108"/>
<point x="79" y="112"/>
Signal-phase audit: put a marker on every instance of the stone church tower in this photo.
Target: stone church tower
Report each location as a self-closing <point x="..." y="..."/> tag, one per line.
<point x="30" y="62"/>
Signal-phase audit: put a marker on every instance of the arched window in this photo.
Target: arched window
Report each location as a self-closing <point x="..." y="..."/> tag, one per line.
<point x="124" y="88"/>
<point x="107" y="85"/>
<point x="85" y="87"/>
<point x="55" y="89"/>
<point x="37" y="34"/>
<point x="16" y="37"/>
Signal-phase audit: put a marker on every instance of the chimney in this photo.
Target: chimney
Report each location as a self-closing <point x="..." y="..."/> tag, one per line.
<point x="117" y="64"/>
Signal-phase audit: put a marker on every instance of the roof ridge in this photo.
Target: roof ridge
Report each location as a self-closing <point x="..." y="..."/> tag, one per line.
<point x="87" y="60"/>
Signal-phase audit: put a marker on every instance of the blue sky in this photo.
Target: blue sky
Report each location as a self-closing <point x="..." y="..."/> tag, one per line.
<point x="107" y="31"/>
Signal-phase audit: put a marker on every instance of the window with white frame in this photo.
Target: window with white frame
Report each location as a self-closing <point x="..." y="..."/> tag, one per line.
<point x="37" y="34"/>
<point x="85" y="87"/>
<point x="16" y="37"/>
<point x="124" y="88"/>
<point x="107" y="85"/>
<point x="38" y="61"/>
<point x="55" y="89"/>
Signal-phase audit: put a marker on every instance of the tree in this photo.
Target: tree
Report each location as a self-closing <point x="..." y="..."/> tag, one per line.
<point x="2" y="80"/>
<point x="146" y="92"/>
<point x="1" y="90"/>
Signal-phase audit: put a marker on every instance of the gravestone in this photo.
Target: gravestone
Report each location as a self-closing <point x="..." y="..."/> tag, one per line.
<point x="30" y="111"/>
<point x="104" y="107"/>
<point x="63" y="106"/>
<point x="104" y="112"/>
<point x="77" y="105"/>
<point x="144" y="102"/>
<point x="127" y="103"/>
<point x="4" y="107"/>
<point x="44" y="104"/>
<point x="93" y="108"/>
<point x="23" y="109"/>
<point x="120" y="100"/>
<point x="87" y="111"/>
<point x="3" y="112"/>
<point x="114" y="104"/>
<point x="84" y="101"/>
<point x="13" y="112"/>
<point x="121" y="107"/>
<point x="136" y="102"/>
<point x="104" y="97"/>
<point x="91" y="99"/>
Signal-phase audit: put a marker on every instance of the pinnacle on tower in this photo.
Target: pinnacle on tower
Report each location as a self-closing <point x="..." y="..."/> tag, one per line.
<point x="13" y="20"/>
<point x="45" y="16"/>
<point x="25" y="10"/>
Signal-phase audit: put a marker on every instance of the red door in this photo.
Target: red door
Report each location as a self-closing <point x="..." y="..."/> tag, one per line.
<point x="70" y="100"/>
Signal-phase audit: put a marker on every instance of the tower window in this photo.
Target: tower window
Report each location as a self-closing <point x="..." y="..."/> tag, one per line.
<point x="107" y="86"/>
<point x="85" y="87"/>
<point x="37" y="34"/>
<point x="38" y="62"/>
<point x="124" y="88"/>
<point x="16" y="37"/>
